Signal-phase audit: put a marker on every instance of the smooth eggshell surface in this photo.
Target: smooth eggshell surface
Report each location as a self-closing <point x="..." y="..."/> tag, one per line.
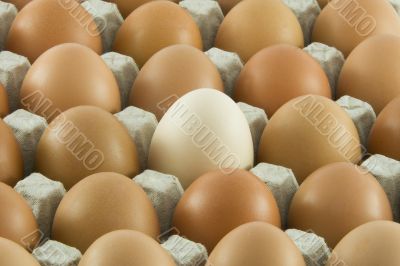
<point x="3" y="102"/>
<point x="13" y="254"/>
<point x="127" y="6"/>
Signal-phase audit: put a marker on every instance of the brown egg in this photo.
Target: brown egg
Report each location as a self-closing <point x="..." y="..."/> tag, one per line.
<point x="3" y="102"/>
<point x="179" y="69"/>
<point x="256" y="243"/>
<point x="13" y="254"/>
<point x="11" y="162"/>
<point x="126" y="247"/>
<point x="43" y="24"/>
<point x="227" y="5"/>
<point x="82" y="141"/>
<point x="371" y="244"/>
<point x="127" y="6"/>
<point x="385" y="133"/>
<point x="219" y="201"/>
<point x="370" y="73"/>
<point x="337" y="198"/>
<point x="17" y="221"/>
<point x="323" y="3"/>
<point x="19" y="4"/>
<point x="153" y="26"/>
<point x="253" y="25"/>
<point x="102" y="203"/>
<point x="345" y="24"/>
<point x="66" y="76"/>
<point x="278" y="74"/>
<point x="307" y="133"/>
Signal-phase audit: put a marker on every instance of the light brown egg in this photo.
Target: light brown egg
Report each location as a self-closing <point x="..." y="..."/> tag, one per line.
<point x="13" y="254"/>
<point x="102" y="203"/>
<point x="370" y="73"/>
<point x="82" y="141"/>
<point x="11" y="162"/>
<point x="3" y="102"/>
<point x="219" y="201"/>
<point x="127" y="6"/>
<point x="278" y="74"/>
<point x="337" y="198"/>
<point x="384" y="137"/>
<point x="345" y="24"/>
<point x="66" y="76"/>
<point x="43" y="24"/>
<point x="307" y="133"/>
<point x="256" y="243"/>
<point x="204" y="130"/>
<point x="126" y="247"/>
<point x="153" y="26"/>
<point x="17" y="221"/>
<point x="371" y="244"/>
<point x="227" y="5"/>
<point x="19" y="4"/>
<point x="253" y="25"/>
<point x="179" y="69"/>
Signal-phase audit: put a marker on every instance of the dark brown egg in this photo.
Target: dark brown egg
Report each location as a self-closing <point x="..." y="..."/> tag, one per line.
<point x="11" y="162"/>
<point x="219" y="201"/>
<point x="43" y="24"/>
<point x="278" y="74"/>
<point x="179" y="69"/>
<point x="127" y="6"/>
<point x="3" y="102"/>
<point x="102" y="203"/>
<point x="153" y="26"/>
<point x="19" y="4"/>
<point x="82" y="141"/>
<point x="13" y="254"/>
<point x="227" y="5"/>
<point x="337" y="198"/>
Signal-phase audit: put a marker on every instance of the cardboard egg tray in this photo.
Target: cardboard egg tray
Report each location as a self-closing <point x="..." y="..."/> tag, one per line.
<point x="164" y="190"/>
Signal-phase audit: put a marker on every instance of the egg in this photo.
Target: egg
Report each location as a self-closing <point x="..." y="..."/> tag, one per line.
<point x="42" y="24"/>
<point x="11" y="162"/>
<point x="227" y="5"/>
<point x="82" y="141"/>
<point x="384" y="137"/>
<point x="179" y="69"/>
<point x="370" y="72"/>
<point x="323" y="3"/>
<point x="345" y="24"/>
<point x="219" y="201"/>
<point x="277" y="74"/>
<point x="196" y="135"/>
<point x="126" y="247"/>
<point x="307" y="133"/>
<point x="337" y="198"/>
<point x="99" y="204"/>
<point x="153" y="26"/>
<point x="256" y="243"/>
<point x="373" y="243"/>
<point x="13" y="254"/>
<point x="127" y="6"/>
<point x="3" y="102"/>
<point x="19" y="4"/>
<point x="17" y="221"/>
<point x="66" y="76"/>
<point x="253" y="25"/>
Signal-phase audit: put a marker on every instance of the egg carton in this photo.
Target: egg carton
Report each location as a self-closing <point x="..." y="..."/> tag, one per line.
<point x="44" y="195"/>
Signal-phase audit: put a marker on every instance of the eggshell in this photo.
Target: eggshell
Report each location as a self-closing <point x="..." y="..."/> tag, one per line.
<point x="13" y="254"/>
<point x="99" y="204"/>
<point x="3" y="102"/>
<point x="218" y="202"/>
<point x="69" y="75"/>
<point x="370" y="73"/>
<point x="153" y="26"/>
<point x="307" y="133"/>
<point x="204" y="130"/>
<point x="19" y="4"/>
<point x="43" y="24"/>
<point x="256" y="243"/>
<point x="385" y="134"/>
<point x="11" y="162"/>
<point x="82" y="141"/>
<point x="337" y="198"/>
<point x="17" y="221"/>
<point x="227" y="5"/>
<point x="127" y="6"/>
<point x="322" y="3"/>
<point x="345" y="24"/>
<point x="255" y="24"/>
<point x="278" y="74"/>
<point x="179" y="69"/>
<point x="371" y="244"/>
<point x="126" y="247"/>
